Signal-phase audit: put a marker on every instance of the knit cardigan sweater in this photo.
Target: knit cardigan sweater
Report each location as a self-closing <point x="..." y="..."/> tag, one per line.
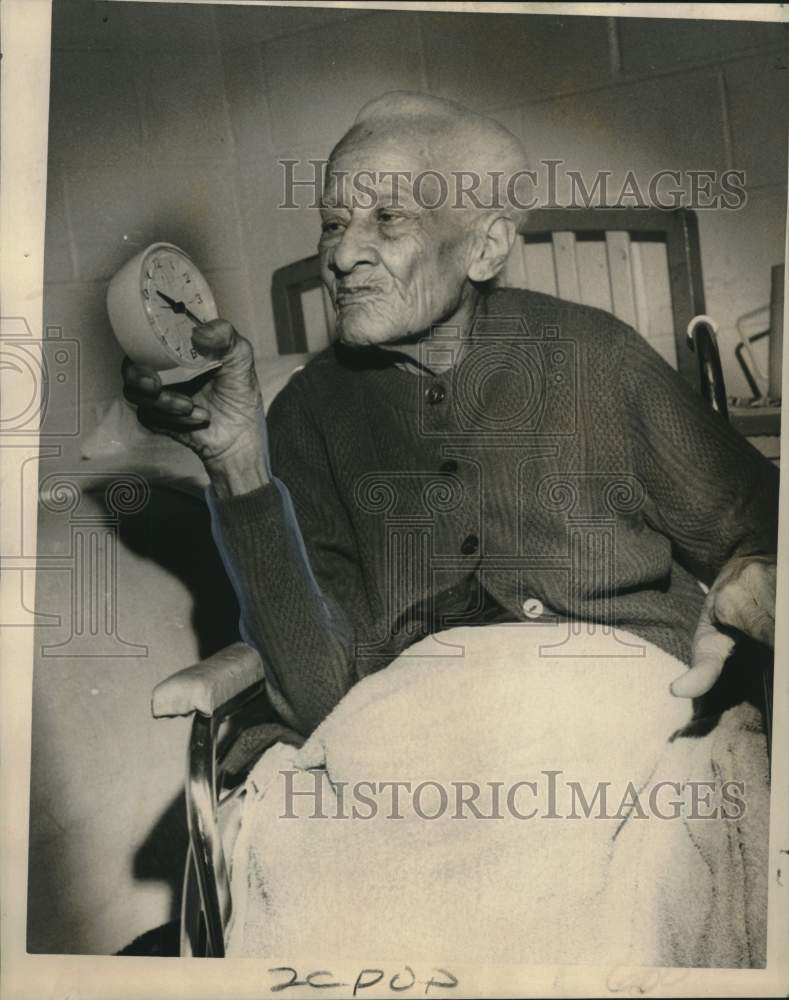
<point x="560" y="470"/>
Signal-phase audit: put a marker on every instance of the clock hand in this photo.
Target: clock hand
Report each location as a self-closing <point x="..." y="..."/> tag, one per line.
<point x="170" y="302"/>
<point x="192" y="317"/>
<point x="179" y="308"/>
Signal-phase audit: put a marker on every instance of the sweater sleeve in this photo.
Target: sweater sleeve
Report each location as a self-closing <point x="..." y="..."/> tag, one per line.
<point x="709" y="490"/>
<point x="289" y="551"/>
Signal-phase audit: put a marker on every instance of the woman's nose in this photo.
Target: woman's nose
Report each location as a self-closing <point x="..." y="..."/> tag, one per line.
<point x="356" y="247"/>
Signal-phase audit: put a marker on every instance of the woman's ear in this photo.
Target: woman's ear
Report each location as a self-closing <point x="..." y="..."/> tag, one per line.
<point x="492" y="248"/>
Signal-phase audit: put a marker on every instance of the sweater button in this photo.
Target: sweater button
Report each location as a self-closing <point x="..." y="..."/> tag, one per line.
<point x="450" y="465"/>
<point x="469" y="545"/>
<point x="533" y="608"/>
<point x="436" y="394"/>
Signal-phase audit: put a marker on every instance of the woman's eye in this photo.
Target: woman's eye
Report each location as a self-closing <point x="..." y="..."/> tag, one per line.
<point x="389" y="216"/>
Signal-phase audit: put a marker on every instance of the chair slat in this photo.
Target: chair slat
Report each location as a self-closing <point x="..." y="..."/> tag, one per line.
<point x="515" y="275"/>
<point x="565" y="265"/>
<point x="640" y="291"/>
<point x="620" y="276"/>
<point x="593" y="273"/>
<point x="540" y="268"/>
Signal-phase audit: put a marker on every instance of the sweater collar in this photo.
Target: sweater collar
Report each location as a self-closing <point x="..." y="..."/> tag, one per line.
<point x="403" y="387"/>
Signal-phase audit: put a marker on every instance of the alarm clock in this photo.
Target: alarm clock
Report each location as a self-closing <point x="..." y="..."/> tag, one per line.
<point x="154" y="301"/>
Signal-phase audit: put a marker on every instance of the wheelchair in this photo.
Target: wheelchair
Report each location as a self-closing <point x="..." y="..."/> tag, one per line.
<point x="219" y="691"/>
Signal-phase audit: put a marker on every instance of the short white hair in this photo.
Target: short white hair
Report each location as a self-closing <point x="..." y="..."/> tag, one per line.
<point x="456" y="140"/>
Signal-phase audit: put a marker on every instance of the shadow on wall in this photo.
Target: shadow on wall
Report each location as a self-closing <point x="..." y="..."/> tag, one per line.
<point x="108" y="825"/>
<point x="175" y="533"/>
<point x="157" y="858"/>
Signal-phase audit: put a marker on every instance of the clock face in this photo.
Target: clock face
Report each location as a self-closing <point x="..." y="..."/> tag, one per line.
<point x="176" y="298"/>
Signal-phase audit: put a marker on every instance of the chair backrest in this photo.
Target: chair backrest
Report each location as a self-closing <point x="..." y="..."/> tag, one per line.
<point x="643" y="265"/>
<point x="303" y="314"/>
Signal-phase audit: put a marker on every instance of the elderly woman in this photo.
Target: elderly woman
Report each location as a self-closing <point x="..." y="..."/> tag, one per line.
<point x="465" y="453"/>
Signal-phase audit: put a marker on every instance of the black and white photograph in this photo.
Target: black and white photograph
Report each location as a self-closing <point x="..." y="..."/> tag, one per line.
<point x="391" y="445"/>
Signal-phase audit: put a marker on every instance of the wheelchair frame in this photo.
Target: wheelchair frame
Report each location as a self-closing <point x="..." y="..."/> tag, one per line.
<point x="212" y="691"/>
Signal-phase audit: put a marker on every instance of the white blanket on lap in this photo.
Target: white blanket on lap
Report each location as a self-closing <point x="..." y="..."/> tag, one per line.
<point x="590" y="717"/>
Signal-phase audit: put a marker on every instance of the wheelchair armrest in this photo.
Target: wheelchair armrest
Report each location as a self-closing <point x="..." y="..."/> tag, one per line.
<point x="207" y="687"/>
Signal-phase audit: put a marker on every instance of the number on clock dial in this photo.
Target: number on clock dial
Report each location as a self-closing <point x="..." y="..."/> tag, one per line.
<point x="181" y="290"/>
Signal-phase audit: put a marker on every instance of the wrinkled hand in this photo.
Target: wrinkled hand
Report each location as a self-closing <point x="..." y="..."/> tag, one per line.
<point x="741" y="598"/>
<point x="222" y="422"/>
